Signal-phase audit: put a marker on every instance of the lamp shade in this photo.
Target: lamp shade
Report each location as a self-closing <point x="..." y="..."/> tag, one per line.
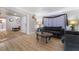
<point x="73" y="22"/>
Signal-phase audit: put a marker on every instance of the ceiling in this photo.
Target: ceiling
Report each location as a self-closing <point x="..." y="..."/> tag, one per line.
<point x="20" y="11"/>
<point x="31" y="10"/>
<point x="42" y="9"/>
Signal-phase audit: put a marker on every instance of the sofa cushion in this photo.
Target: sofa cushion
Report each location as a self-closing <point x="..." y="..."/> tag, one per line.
<point x="52" y="28"/>
<point x="55" y="32"/>
<point x="72" y="32"/>
<point x="71" y="42"/>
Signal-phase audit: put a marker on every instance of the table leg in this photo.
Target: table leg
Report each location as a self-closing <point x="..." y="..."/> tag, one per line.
<point x="49" y="38"/>
<point x="37" y="37"/>
<point x="46" y="39"/>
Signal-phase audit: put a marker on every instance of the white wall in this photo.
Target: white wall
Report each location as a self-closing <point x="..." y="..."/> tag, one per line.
<point x="30" y="24"/>
<point x="24" y="24"/>
<point x="15" y="23"/>
<point x="27" y="24"/>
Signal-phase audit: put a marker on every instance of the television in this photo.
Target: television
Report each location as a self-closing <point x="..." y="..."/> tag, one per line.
<point x="56" y="21"/>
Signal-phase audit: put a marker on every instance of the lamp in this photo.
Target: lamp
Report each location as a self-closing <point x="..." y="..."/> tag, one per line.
<point x="39" y="24"/>
<point x="73" y="23"/>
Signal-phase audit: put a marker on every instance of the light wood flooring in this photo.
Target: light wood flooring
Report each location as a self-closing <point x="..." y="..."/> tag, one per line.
<point x="17" y="41"/>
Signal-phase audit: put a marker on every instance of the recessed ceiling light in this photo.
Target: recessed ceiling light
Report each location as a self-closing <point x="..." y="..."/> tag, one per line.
<point x="16" y="17"/>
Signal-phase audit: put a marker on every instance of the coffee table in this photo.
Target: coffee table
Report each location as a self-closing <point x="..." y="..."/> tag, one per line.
<point x="45" y="35"/>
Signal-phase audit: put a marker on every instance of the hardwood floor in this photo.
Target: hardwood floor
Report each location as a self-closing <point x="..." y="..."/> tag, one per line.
<point x="17" y="41"/>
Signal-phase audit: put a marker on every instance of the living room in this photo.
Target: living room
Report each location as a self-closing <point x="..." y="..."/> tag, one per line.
<point x="21" y="27"/>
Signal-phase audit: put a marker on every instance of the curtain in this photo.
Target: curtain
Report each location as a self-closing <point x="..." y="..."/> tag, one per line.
<point x="55" y="21"/>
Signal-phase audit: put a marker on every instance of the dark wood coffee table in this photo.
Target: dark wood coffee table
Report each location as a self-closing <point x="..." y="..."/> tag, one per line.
<point x="45" y="35"/>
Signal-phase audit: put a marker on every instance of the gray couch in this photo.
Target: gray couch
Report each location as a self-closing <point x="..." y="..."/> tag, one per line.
<point x="71" y="41"/>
